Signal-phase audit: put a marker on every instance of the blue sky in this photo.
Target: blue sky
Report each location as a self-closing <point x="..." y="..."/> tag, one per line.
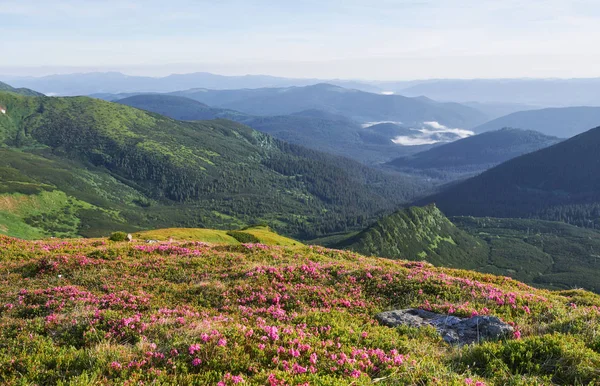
<point x="360" y="39"/>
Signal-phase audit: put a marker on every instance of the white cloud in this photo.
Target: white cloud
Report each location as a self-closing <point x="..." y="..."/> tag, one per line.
<point x="433" y="133"/>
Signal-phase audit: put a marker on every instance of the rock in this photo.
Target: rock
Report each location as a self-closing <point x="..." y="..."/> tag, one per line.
<point x="129" y="237"/>
<point x="454" y="330"/>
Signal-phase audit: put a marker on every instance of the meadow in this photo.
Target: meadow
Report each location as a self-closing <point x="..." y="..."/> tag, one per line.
<point x="96" y="312"/>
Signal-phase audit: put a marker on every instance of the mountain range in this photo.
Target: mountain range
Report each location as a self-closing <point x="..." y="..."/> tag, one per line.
<point x="115" y="82"/>
<point x="536" y="92"/>
<point x="495" y="97"/>
<point x="473" y="155"/>
<point x="82" y="166"/>
<point x="315" y="129"/>
<point x="562" y="122"/>
<point x="355" y="104"/>
<point x="561" y="182"/>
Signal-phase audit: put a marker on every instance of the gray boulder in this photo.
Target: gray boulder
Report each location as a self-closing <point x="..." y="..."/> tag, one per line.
<point x="454" y="330"/>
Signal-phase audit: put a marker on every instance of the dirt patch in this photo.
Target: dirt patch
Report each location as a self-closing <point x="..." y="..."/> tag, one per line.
<point x="11" y="204"/>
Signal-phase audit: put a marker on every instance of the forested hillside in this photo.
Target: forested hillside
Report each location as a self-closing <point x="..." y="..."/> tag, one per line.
<point x="180" y="108"/>
<point x="541" y="253"/>
<point x="473" y="155"/>
<point x="316" y="129"/>
<point x="561" y="182"/>
<point x="145" y="170"/>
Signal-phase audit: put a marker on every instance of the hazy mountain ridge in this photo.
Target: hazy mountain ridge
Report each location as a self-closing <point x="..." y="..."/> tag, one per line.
<point x="21" y="91"/>
<point x="475" y="154"/>
<point x="562" y="122"/>
<point x="116" y="82"/>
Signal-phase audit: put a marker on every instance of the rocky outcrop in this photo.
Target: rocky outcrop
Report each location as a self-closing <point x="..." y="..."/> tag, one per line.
<point x="454" y="330"/>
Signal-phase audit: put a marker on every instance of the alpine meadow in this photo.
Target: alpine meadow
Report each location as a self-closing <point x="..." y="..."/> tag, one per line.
<point x="353" y="193"/>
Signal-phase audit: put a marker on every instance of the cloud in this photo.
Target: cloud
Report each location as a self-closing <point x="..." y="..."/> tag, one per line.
<point x="369" y="124"/>
<point x="433" y="133"/>
<point x="413" y="141"/>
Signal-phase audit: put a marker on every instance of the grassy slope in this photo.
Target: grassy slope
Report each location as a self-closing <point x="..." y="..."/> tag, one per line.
<point x="262" y="233"/>
<point x="143" y="170"/>
<point x="87" y="312"/>
<point x="542" y="253"/>
<point x="419" y="234"/>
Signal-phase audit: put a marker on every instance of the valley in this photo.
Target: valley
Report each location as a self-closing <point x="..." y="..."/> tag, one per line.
<point x="271" y="226"/>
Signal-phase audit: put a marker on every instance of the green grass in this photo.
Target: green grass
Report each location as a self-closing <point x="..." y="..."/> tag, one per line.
<point x="92" y="311"/>
<point x="262" y="233"/>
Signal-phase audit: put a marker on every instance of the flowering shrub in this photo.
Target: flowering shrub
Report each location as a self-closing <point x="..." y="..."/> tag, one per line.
<point x="82" y="311"/>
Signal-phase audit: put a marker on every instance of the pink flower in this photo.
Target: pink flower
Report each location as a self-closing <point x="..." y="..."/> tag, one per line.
<point x="517" y="334"/>
<point x="355" y="374"/>
<point x="196" y="362"/>
<point x="116" y="366"/>
<point x="297" y="369"/>
<point x="468" y="381"/>
<point x="313" y="358"/>
<point x="194" y="348"/>
<point x="222" y="342"/>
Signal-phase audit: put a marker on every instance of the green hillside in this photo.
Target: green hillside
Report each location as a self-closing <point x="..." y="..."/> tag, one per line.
<point x="314" y="129"/>
<point x="120" y="165"/>
<point x="180" y="108"/>
<point x="419" y="234"/>
<point x="252" y="234"/>
<point x="541" y="253"/>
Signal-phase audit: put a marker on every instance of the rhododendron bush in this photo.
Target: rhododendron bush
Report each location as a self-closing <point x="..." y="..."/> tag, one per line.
<point x="99" y="312"/>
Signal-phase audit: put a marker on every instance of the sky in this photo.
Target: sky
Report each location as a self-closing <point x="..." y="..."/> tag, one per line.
<point x="349" y="39"/>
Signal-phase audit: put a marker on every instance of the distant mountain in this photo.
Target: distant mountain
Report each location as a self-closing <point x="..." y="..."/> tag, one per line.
<point x="561" y="182"/>
<point x="21" y="91"/>
<point x="315" y="129"/>
<point x="336" y="136"/>
<point x="82" y="166"/>
<point x="500" y="109"/>
<point x="357" y="105"/>
<point x="115" y="83"/>
<point x="474" y="154"/>
<point x="561" y="122"/>
<point x="419" y="234"/>
<point x="540" y="92"/>
<point x="180" y="108"/>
